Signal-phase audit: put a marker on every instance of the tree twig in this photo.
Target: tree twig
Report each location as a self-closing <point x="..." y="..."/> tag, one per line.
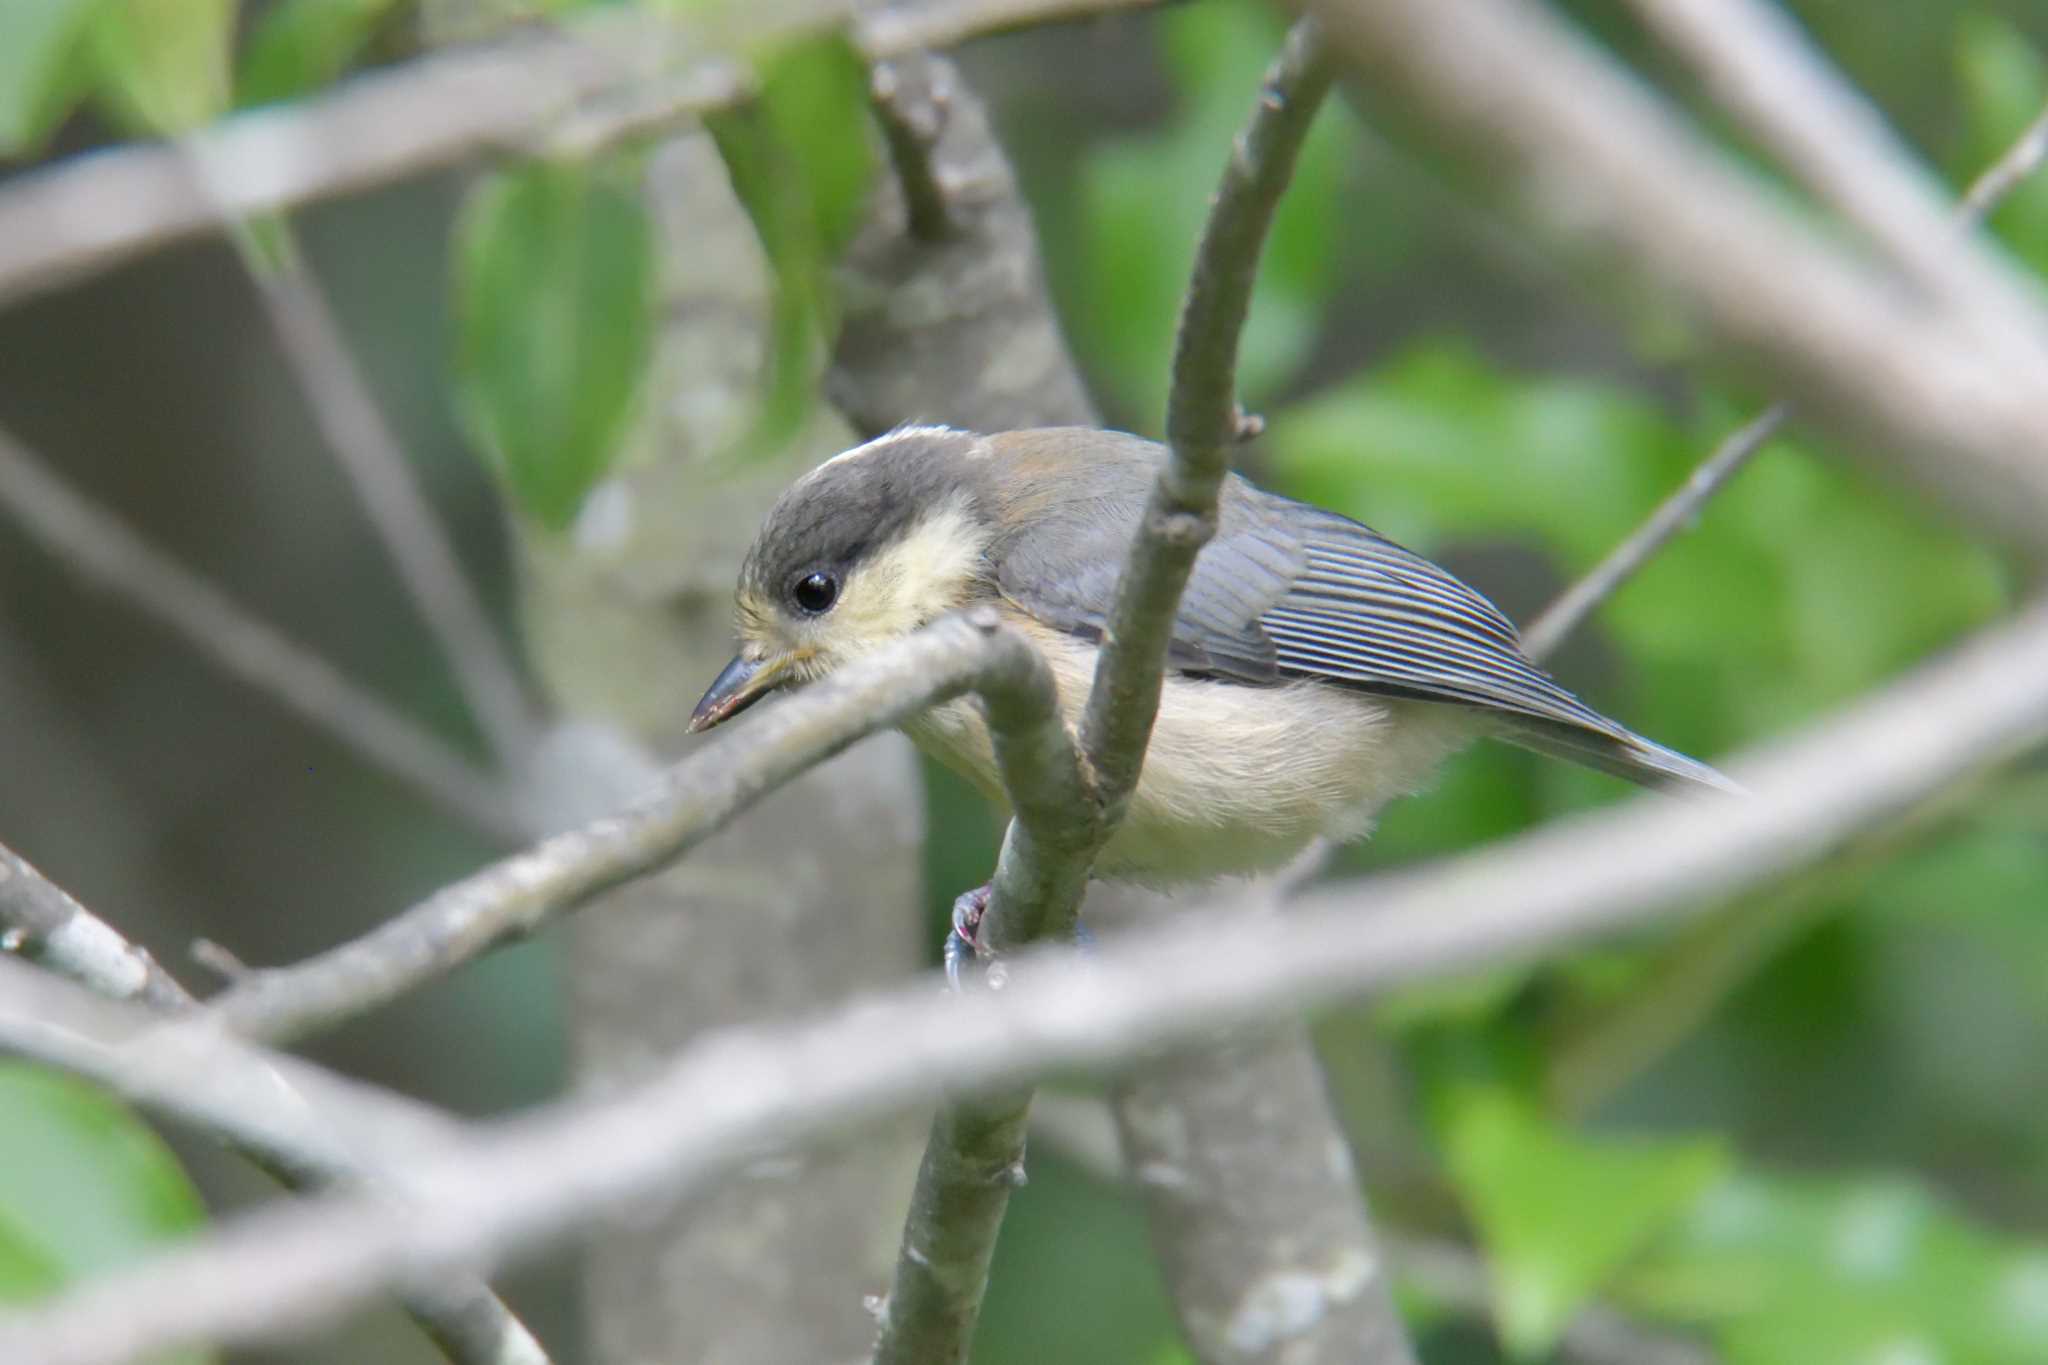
<point x="90" y="213"/>
<point x="515" y="896"/>
<point x="92" y="542"/>
<point x="715" y="1106"/>
<point x="1582" y="150"/>
<point x="1678" y="511"/>
<point x="369" y="453"/>
<point x="257" y="1105"/>
<point x="1203" y="421"/>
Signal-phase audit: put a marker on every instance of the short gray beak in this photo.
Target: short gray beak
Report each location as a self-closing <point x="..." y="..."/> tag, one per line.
<point x="742" y="683"/>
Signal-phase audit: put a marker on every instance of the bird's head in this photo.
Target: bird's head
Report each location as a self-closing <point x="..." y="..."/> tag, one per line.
<point x="860" y="552"/>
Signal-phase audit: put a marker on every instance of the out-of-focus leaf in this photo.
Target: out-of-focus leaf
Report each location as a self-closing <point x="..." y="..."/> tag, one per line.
<point x="801" y="159"/>
<point x="1560" y="1214"/>
<point x="163" y="64"/>
<point x="84" y="1187"/>
<point x="2005" y="83"/>
<point x="555" y="316"/>
<point x="1144" y="199"/>
<point x="43" y="67"/>
<point x="1851" y="1270"/>
<point x="301" y="45"/>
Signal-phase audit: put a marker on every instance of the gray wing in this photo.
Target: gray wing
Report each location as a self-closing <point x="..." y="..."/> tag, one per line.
<point x="1368" y="614"/>
<point x="1062" y="559"/>
<point x="1287" y="590"/>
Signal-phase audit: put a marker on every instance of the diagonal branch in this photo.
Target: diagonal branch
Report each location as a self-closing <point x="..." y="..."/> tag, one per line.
<point x="90" y="213"/>
<point x="251" y="1103"/>
<point x="718" y="1105"/>
<point x="92" y="542"/>
<point x="977" y="1146"/>
<point x="1760" y="67"/>
<point x="1581" y="150"/>
<point x="369" y="453"/>
<point x="1678" y="511"/>
<point x="514" y="897"/>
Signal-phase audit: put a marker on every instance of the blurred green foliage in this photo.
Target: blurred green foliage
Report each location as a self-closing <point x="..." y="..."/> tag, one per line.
<point x="84" y="1187"/>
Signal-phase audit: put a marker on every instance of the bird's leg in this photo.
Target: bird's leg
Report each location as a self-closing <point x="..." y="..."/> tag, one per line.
<point x="965" y="939"/>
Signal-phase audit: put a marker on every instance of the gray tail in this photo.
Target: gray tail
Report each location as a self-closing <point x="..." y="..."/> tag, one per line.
<point x="1621" y="754"/>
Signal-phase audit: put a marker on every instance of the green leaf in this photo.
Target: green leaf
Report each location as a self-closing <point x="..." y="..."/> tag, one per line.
<point x="801" y="160"/>
<point x="84" y="1187"/>
<point x="555" y="318"/>
<point x="43" y="67"/>
<point x="163" y="64"/>
<point x="1560" y="1214"/>
<point x="1847" y="1269"/>
<point x="301" y="45"/>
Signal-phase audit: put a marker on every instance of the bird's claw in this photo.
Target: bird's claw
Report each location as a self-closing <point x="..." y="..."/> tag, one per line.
<point x="965" y="939"/>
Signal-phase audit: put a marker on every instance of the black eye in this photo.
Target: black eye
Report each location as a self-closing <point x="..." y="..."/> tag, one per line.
<point x="815" y="593"/>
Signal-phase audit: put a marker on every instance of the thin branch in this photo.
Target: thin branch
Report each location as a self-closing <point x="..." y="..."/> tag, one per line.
<point x="1203" y="421"/>
<point x="90" y="213"/>
<point x="92" y="542"/>
<point x="517" y="895"/>
<point x="369" y="453"/>
<point x="1681" y="509"/>
<point x="976" y="1148"/>
<point x="2004" y="175"/>
<point x="716" y="1106"/>
<point x="1583" y="151"/>
<point x="245" y="1100"/>
<point x="1758" y="64"/>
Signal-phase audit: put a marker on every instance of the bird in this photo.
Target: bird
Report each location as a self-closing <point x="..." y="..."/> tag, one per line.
<point x="1316" y="670"/>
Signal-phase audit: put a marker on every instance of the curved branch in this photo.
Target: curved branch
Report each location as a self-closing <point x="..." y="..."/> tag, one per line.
<point x="714" y="1108"/>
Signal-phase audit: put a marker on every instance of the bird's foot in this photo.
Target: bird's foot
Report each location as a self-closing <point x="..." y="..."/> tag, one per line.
<point x="965" y="939"/>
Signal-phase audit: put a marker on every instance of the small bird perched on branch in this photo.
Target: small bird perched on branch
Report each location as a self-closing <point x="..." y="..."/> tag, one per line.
<point x="1317" y="670"/>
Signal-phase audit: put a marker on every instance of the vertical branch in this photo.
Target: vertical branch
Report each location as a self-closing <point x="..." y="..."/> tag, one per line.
<point x="974" y="1157"/>
<point x="1203" y="420"/>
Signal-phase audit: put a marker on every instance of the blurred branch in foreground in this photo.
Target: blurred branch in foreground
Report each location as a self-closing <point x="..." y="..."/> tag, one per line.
<point x="91" y="213"/>
<point x="716" y="1106"/>
<point x="1584" y="152"/>
<point x="252" y="1107"/>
